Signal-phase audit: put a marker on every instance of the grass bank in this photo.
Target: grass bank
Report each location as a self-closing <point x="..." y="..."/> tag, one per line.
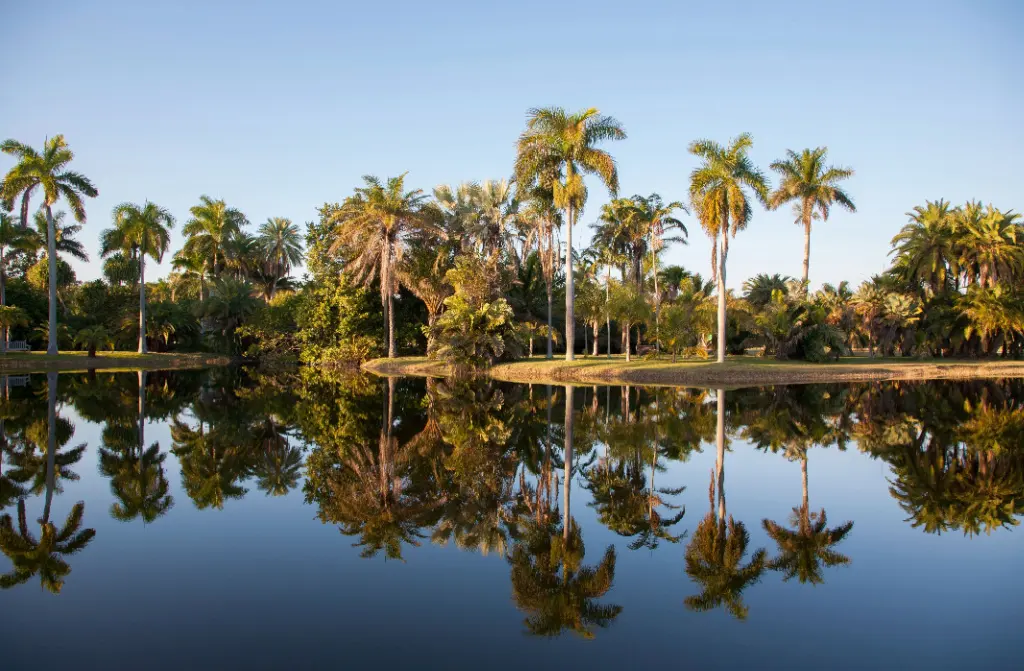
<point x="39" y="362"/>
<point x="735" y="372"/>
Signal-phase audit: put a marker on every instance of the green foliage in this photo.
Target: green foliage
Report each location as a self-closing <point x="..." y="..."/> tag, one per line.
<point x="474" y="334"/>
<point x="338" y="321"/>
<point x="272" y="332"/>
<point x="93" y="338"/>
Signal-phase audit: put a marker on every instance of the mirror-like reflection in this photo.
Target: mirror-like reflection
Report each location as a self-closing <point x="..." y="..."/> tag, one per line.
<point x="416" y="470"/>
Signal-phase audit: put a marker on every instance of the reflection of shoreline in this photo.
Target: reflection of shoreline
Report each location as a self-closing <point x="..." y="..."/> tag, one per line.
<point x="734" y="373"/>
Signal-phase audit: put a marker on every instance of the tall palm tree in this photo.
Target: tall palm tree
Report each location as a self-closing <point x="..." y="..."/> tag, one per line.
<point x="657" y="216"/>
<point x="807" y="181"/>
<point x="212" y="224"/>
<point x="543" y="221"/>
<point x="497" y="206"/>
<point x="372" y="226"/>
<point x="718" y="193"/>
<point x="12" y="238"/>
<point x="991" y="249"/>
<point x="281" y="243"/>
<point x="565" y="145"/>
<point x="139" y="231"/>
<point x="48" y="172"/>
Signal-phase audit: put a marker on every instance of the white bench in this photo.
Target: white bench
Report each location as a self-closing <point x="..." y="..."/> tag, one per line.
<point x="18" y="346"/>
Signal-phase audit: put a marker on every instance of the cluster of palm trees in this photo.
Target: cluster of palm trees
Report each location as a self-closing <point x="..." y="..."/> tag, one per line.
<point x="217" y="249"/>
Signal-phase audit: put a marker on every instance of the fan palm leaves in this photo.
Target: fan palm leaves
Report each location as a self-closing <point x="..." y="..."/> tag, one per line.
<point x="557" y="149"/>
<point x="139" y="231"/>
<point x="718" y="194"/>
<point x="808" y="182"/>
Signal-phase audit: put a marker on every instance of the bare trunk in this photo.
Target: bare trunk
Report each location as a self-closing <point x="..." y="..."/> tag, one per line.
<point x="51" y="441"/>
<point x="142" y="304"/>
<point x="803" y="476"/>
<point x="5" y="337"/>
<point x="807" y="249"/>
<point x="392" y="352"/>
<point x="567" y="486"/>
<point x="51" y="252"/>
<point x="551" y="332"/>
<point x="657" y="305"/>
<point x="626" y="344"/>
<point x="721" y="298"/>
<point x="597" y="333"/>
<point x="142" y="412"/>
<point x="607" y="314"/>
<point x="570" y="297"/>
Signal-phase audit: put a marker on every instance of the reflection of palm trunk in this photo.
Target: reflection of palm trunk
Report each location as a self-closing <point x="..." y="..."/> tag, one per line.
<point x="51" y="442"/>
<point x="804" y="515"/>
<point x="385" y="439"/>
<point x="567" y="485"/>
<point x="545" y="472"/>
<point x="720" y="460"/>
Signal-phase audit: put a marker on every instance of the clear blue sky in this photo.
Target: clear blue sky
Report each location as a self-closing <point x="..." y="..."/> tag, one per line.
<point x="277" y="108"/>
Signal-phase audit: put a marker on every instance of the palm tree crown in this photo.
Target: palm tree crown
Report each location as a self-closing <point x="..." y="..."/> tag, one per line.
<point x="808" y="181"/>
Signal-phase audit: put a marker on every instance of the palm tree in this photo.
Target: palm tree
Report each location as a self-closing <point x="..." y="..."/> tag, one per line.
<point x="759" y="289"/>
<point x="281" y="243"/>
<point x="12" y="238"/>
<point x="543" y="220"/>
<point x="926" y="249"/>
<point x="46" y="171"/>
<point x="657" y="218"/>
<point x="93" y="338"/>
<point x="372" y="226"/>
<point x="212" y="224"/>
<point x="564" y="145"/>
<point x="139" y="231"/>
<point x="813" y="185"/>
<point x="497" y="206"/>
<point x="718" y="195"/>
<point x="991" y="248"/>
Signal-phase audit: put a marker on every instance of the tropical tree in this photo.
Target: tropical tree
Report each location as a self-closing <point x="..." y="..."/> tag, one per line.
<point x="281" y="243"/>
<point x="371" y="228"/>
<point x="718" y="193"/>
<point x="807" y="181"/>
<point x="558" y="149"/>
<point x="991" y="244"/>
<point x="139" y="231"/>
<point x="12" y="238"/>
<point x="759" y="289"/>
<point x="210" y="228"/>
<point x="926" y="248"/>
<point x="9" y="318"/>
<point x="93" y="338"/>
<point x="46" y="171"/>
<point x="658" y="219"/>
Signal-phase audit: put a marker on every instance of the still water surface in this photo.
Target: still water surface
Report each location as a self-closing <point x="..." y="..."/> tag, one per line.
<point x="227" y="519"/>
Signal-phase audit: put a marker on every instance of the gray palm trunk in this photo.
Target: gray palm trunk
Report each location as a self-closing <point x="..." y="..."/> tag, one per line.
<point x="657" y="304"/>
<point x="51" y="253"/>
<point x="570" y="313"/>
<point x="567" y="486"/>
<point x="607" y="313"/>
<point x="142" y="304"/>
<point x="6" y="335"/>
<point x="551" y="352"/>
<point x="807" y="248"/>
<point x="142" y="412"/>
<point x="721" y="293"/>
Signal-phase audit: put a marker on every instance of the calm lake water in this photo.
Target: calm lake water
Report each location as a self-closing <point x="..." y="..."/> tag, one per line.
<point x="228" y="519"/>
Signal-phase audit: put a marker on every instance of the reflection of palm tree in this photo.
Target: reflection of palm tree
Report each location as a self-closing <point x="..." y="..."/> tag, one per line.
<point x="808" y="545"/>
<point x="278" y="465"/>
<point x="42" y="556"/>
<point x="209" y="469"/>
<point x="549" y="583"/>
<point x="715" y="554"/>
<point x="31" y="556"/>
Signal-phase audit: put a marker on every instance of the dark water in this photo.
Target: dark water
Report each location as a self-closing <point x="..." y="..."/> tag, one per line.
<point x="319" y="520"/>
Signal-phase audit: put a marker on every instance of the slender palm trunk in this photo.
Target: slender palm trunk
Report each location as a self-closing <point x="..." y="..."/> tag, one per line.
<point x="142" y="304"/>
<point x="721" y="294"/>
<point x="142" y="412"/>
<point x="5" y="337"/>
<point x="807" y="250"/>
<point x="549" y="278"/>
<point x="567" y="486"/>
<point x="551" y="332"/>
<point x="806" y="499"/>
<point x="570" y="297"/>
<point x="720" y="459"/>
<point x="51" y="252"/>
<point x="627" y="344"/>
<point x="657" y="304"/>
<point x="597" y="334"/>
<point x="607" y="312"/>
<point x="51" y="441"/>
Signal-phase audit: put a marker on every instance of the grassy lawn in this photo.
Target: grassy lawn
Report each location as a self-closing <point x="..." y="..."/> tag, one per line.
<point x="25" y="362"/>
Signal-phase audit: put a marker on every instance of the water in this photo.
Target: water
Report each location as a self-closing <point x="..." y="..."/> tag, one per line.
<point x="321" y="520"/>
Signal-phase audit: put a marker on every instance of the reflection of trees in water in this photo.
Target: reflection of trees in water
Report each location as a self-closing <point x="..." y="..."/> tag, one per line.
<point x="44" y="556"/>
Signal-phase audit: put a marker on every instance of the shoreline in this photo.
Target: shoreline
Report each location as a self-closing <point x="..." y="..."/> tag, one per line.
<point x="20" y="363"/>
<point x="737" y="372"/>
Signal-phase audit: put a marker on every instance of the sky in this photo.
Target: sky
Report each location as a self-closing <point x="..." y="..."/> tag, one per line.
<point x="278" y="108"/>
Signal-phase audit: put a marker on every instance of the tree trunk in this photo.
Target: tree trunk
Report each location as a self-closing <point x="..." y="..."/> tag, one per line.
<point x="597" y="333"/>
<point x="567" y="487"/>
<point x="721" y="298"/>
<point x="551" y="332"/>
<point x="657" y="305"/>
<point x="5" y="337"/>
<point x="392" y="352"/>
<point x="607" y="314"/>
<point x="570" y="297"/>
<point x="803" y="476"/>
<point x="807" y="250"/>
<point x="142" y="304"/>
<point x="142" y="412"/>
<point x="51" y="252"/>
<point x="626" y="345"/>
